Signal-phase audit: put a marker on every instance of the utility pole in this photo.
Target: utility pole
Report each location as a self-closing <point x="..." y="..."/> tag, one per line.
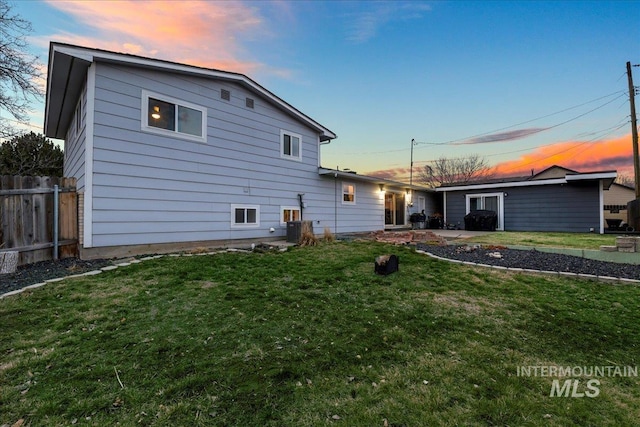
<point x="634" y="130"/>
<point x="411" y="167"/>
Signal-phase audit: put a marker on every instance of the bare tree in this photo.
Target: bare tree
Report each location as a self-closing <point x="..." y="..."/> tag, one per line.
<point x="455" y="170"/>
<point x="626" y="180"/>
<point x="18" y="70"/>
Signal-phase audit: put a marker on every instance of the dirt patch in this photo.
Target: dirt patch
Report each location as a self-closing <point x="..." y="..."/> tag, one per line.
<point x="408" y="237"/>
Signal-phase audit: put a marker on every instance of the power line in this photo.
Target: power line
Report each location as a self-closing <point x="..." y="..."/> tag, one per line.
<point x="453" y="141"/>
<point x="568" y="149"/>
<point x="619" y="93"/>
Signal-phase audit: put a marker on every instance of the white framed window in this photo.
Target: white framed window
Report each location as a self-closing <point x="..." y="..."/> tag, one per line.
<point x="245" y="216"/>
<point x="487" y="201"/>
<point x="348" y="193"/>
<point x="169" y="116"/>
<point x="290" y="145"/>
<point x="289" y="213"/>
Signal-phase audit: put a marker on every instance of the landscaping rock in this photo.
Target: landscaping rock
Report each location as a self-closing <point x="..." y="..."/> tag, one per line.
<point x="39" y="272"/>
<point x="536" y="260"/>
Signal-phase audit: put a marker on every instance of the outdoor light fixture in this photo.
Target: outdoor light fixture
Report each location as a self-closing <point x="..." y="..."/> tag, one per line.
<point x="381" y="187"/>
<point x="156" y="113"/>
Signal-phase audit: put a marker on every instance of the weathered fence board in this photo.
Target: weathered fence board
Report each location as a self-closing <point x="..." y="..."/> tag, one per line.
<point x="26" y="217"/>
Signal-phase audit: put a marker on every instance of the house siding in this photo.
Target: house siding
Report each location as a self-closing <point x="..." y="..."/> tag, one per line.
<point x="74" y="146"/>
<point x="572" y="208"/>
<point x="150" y="188"/>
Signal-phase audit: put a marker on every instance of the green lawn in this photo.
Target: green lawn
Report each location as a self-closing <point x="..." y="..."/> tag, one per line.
<point x="310" y="337"/>
<point x="535" y="238"/>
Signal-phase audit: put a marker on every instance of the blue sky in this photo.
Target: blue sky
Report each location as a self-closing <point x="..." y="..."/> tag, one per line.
<point x="453" y="75"/>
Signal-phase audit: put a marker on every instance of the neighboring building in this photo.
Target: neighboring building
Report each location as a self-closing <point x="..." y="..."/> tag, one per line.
<point x="169" y="155"/>
<point x="615" y="203"/>
<point x="556" y="199"/>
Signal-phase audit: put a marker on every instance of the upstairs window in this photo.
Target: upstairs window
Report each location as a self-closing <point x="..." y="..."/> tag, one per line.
<point x="170" y="116"/>
<point x="290" y="145"/>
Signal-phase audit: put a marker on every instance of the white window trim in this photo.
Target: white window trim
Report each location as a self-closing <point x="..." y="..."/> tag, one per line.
<point x="500" y="212"/>
<point x="292" y="208"/>
<point x="144" y="117"/>
<point x="245" y="225"/>
<point x="290" y="157"/>
<point x="355" y="190"/>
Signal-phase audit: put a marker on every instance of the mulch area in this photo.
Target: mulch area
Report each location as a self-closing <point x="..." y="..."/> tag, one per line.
<point x="534" y="260"/>
<point x="38" y="272"/>
<point x="512" y="258"/>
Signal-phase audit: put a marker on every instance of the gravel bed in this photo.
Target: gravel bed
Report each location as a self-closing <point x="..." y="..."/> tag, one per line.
<point x="535" y="260"/>
<point x="38" y="272"/>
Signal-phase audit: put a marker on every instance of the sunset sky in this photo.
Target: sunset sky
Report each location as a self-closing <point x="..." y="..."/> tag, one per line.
<point x="525" y="84"/>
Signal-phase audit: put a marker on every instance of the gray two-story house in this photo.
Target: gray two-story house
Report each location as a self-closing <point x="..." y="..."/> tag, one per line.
<point x="169" y="155"/>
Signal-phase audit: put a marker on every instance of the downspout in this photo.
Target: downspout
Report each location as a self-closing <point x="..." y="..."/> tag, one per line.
<point x="301" y="204"/>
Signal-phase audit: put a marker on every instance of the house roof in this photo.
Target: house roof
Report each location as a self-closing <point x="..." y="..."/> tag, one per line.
<point x="552" y="175"/>
<point x="68" y="65"/>
<point x="350" y="175"/>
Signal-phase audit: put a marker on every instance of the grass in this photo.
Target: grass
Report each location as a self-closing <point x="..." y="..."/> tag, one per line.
<point x="535" y="238"/>
<point x="313" y="337"/>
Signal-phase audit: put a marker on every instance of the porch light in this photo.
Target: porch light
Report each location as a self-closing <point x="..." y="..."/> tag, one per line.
<point x="381" y="187"/>
<point x="156" y="113"/>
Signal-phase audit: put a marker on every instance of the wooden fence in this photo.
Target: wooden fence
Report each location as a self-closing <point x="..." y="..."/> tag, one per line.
<point x="27" y="217"/>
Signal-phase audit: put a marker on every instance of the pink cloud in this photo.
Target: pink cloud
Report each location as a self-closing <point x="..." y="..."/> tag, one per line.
<point x="202" y="33"/>
<point x="610" y="154"/>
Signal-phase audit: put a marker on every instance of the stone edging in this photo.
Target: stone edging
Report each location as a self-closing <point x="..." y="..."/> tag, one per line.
<point x="606" y="279"/>
<point x="456" y="261"/>
<point x="113" y="267"/>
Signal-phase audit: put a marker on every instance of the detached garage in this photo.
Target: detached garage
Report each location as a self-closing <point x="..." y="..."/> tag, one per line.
<point x="556" y="199"/>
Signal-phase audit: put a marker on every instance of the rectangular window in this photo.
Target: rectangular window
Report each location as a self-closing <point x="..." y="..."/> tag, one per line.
<point x="348" y="194"/>
<point x="173" y="117"/>
<point x="79" y="116"/>
<point x="245" y="216"/>
<point x="289" y="213"/>
<point x="290" y="145"/>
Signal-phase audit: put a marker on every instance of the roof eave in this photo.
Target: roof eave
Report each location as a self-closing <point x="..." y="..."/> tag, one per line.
<point x="88" y="55"/>
<point x="366" y="178"/>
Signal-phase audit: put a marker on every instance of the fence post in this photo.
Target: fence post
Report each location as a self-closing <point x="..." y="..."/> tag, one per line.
<point x="56" y="209"/>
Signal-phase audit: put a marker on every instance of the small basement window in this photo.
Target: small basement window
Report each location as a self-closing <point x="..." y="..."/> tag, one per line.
<point x="289" y="213"/>
<point x="170" y="116"/>
<point x="245" y="216"/>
